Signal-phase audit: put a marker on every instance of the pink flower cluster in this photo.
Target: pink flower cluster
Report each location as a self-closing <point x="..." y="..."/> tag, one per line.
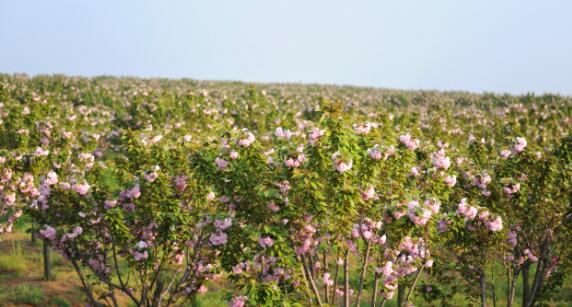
<point x="420" y="214"/>
<point x="440" y="160"/>
<point x="221" y="163"/>
<point x="511" y="189"/>
<point x="341" y="165"/>
<point x="519" y="145"/>
<point x="409" y="142"/>
<point x="140" y="251"/>
<point x="367" y="231"/>
<point x="315" y="135"/>
<point x="282" y="133"/>
<point x="306" y="236"/>
<point x="246" y="142"/>
<point x="48" y="233"/>
<point x="410" y="254"/>
<point x="469" y="212"/>
<point x="238" y="301"/>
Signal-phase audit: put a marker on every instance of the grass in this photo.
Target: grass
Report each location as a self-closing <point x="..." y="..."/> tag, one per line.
<point x="25" y="294"/>
<point x="12" y="265"/>
<point x="60" y="301"/>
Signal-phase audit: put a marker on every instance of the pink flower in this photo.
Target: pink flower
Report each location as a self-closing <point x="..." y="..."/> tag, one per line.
<point x="343" y="167"/>
<point x="272" y="206"/>
<point x="48" y="233"/>
<point x="505" y="153"/>
<point x="221" y="163"/>
<point x="150" y="176"/>
<point x="246" y="142"/>
<point x="440" y="161"/>
<point x="181" y="183"/>
<point x="386" y="270"/>
<point x="140" y="255"/>
<point x="51" y="178"/>
<point x="110" y="203"/>
<point x="450" y="181"/>
<point x="471" y="213"/>
<point x="40" y="152"/>
<point x="512" y="238"/>
<point x="282" y="134"/>
<point x="211" y="196"/>
<point x="218" y="238"/>
<point x="9" y="198"/>
<point x="520" y="145"/>
<point x="6" y="175"/>
<point x="374" y="153"/>
<point x="233" y="155"/>
<point x="223" y="224"/>
<point x="203" y="289"/>
<point x="368" y="194"/>
<point x="495" y="225"/>
<point x="81" y="188"/>
<point x="314" y="135"/>
<point x="327" y="280"/>
<point x="410" y="143"/>
<point x="266" y="241"/>
<point x="238" y="301"/>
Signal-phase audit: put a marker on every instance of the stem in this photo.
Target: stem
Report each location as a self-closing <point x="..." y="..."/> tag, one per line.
<point x="336" y="279"/>
<point x="326" y="268"/>
<point x="375" y="285"/>
<point x="483" y="283"/>
<point x="363" y="271"/>
<point x="347" y="279"/>
<point x="538" y="280"/>
<point x="412" y="288"/>
<point x="46" y="253"/>
<point x="123" y="285"/>
<point x="512" y="288"/>
<point x="493" y="285"/>
<point x="86" y="288"/>
<point x="525" y="284"/>
<point x="311" y="280"/>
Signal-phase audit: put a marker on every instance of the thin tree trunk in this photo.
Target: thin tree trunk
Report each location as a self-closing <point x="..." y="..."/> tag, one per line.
<point x="86" y="287"/>
<point x="347" y="279"/>
<point x="313" y="286"/>
<point x="363" y="272"/>
<point x="34" y="239"/>
<point x="375" y="285"/>
<point x="336" y="279"/>
<point x="483" y="286"/>
<point x="493" y="289"/>
<point x="326" y="269"/>
<point x="538" y="280"/>
<point x="46" y="254"/>
<point x="525" y="284"/>
<point x="412" y="288"/>
<point x="512" y="286"/>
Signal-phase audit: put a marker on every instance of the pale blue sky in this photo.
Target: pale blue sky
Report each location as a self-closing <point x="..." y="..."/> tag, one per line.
<point x="475" y="45"/>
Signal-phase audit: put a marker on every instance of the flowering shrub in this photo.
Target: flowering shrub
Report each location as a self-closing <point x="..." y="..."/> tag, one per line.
<point x="154" y="192"/>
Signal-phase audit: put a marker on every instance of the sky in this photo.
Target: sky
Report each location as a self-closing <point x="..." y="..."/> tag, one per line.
<point x="500" y="46"/>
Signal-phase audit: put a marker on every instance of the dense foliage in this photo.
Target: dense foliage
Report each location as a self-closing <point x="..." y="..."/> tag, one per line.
<point x="152" y="188"/>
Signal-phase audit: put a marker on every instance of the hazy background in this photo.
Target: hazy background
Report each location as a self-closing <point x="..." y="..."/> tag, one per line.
<point x="497" y="45"/>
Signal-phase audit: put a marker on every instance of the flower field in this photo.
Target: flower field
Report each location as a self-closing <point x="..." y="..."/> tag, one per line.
<point x="155" y="192"/>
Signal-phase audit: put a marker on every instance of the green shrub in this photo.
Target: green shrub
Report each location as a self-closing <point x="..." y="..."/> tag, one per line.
<point x="12" y="264"/>
<point x="26" y="294"/>
<point x="60" y="302"/>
